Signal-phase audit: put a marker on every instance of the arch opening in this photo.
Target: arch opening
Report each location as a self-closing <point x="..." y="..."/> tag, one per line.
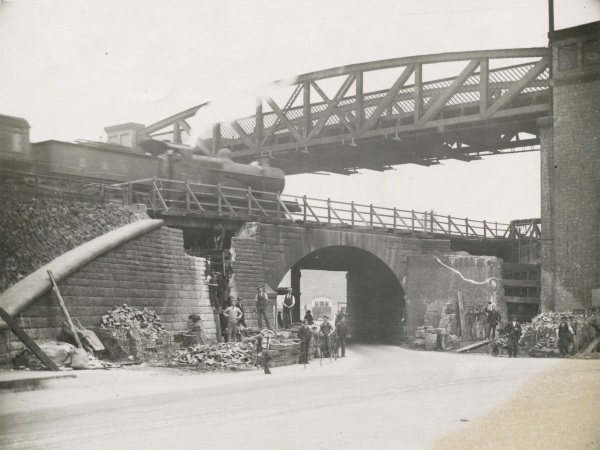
<point x="375" y="298"/>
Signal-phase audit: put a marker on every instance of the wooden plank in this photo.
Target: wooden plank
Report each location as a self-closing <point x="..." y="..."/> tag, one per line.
<point x="521" y="283"/>
<point x="473" y="346"/>
<point x="65" y="312"/>
<point x="29" y="343"/>
<point x="461" y="314"/>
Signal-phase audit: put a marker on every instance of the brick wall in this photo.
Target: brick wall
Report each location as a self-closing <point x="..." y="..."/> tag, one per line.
<point x="150" y="271"/>
<point x="571" y="175"/>
<point x="430" y="282"/>
<point x="248" y="267"/>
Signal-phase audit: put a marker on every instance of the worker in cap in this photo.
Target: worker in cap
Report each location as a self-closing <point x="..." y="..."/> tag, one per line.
<point x="565" y="333"/>
<point x="262" y="300"/>
<point x="325" y="333"/>
<point x="513" y="332"/>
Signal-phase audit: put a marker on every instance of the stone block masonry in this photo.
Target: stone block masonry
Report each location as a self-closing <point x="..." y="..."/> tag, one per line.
<point x="431" y="285"/>
<point x="151" y="271"/>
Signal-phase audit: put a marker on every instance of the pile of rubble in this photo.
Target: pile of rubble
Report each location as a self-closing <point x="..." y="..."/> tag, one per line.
<point x="228" y="355"/>
<point x="126" y="318"/>
<point x="129" y="332"/>
<point x="540" y="339"/>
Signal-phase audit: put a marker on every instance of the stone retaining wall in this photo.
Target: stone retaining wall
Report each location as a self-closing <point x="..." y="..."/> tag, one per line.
<point x="151" y="271"/>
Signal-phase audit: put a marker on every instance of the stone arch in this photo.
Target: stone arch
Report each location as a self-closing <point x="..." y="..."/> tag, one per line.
<point x="284" y="246"/>
<point x="375" y="296"/>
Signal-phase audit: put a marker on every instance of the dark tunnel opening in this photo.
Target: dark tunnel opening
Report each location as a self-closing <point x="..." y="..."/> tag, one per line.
<point x="375" y="297"/>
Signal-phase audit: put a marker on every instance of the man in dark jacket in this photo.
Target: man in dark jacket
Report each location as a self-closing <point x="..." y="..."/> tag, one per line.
<point x="305" y="335"/>
<point x="342" y="333"/>
<point x="565" y="337"/>
<point x="513" y="332"/>
<point x="309" y="317"/>
<point x="493" y="317"/>
<point x="288" y="304"/>
<point x="325" y="333"/>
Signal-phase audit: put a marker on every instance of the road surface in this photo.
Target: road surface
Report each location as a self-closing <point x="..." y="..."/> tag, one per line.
<point x="378" y="397"/>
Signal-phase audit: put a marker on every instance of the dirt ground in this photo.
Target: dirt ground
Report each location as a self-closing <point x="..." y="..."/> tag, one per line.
<point x="378" y="397"/>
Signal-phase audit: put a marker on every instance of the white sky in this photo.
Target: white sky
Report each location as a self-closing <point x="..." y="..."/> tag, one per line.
<point x="73" y="67"/>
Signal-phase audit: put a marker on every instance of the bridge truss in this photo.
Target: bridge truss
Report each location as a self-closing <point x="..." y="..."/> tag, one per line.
<point x="418" y="110"/>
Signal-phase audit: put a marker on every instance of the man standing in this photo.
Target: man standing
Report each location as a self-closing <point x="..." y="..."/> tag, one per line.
<point x="513" y="332"/>
<point x="242" y="320"/>
<point x="261" y="307"/>
<point x="304" y="334"/>
<point x="342" y="333"/>
<point x="565" y="337"/>
<point x="325" y="333"/>
<point x="288" y="303"/>
<point x="493" y="317"/>
<point x="233" y="314"/>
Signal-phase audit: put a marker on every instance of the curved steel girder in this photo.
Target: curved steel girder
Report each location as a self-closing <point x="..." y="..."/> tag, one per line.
<point x="432" y="103"/>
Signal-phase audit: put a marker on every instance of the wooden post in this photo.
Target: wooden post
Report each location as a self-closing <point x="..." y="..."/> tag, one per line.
<point x="461" y="314"/>
<point x="63" y="307"/>
<point x="466" y="227"/>
<point x="249" y="201"/>
<point x="484" y="229"/>
<point x="219" y="197"/>
<point x="412" y="218"/>
<point x="395" y="220"/>
<point x="371" y="214"/>
<point x="449" y="227"/>
<point x="278" y="205"/>
<point x="29" y="343"/>
<point x="304" y="208"/>
<point x="329" y="211"/>
<point x="352" y="213"/>
<point x="187" y="195"/>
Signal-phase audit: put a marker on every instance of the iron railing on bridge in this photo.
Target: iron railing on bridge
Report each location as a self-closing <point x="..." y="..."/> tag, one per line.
<point x="189" y="198"/>
<point x="177" y="197"/>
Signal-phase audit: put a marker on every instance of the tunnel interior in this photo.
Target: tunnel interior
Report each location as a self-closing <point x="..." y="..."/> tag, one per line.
<point x="375" y="297"/>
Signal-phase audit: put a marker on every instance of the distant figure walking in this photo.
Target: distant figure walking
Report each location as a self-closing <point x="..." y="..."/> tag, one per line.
<point x="342" y="333"/>
<point x="305" y="335"/>
<point x="565" y="337"/>
<point x="262" y="302"/>
<point x="513" y="332"/>
<point x="493" y="317"/>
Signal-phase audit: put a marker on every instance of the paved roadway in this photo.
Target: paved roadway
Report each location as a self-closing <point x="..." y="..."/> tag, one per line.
<point x="377" y="397"/>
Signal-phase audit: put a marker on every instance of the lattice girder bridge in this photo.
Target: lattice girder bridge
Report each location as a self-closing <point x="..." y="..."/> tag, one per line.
<point x="333" y="121"/>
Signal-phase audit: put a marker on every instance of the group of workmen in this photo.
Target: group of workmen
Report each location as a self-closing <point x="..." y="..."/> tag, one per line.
<point x="328" y="339"/>
<point x="480" y="322"/>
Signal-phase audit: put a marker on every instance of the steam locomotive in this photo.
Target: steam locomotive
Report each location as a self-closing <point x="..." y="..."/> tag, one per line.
<point x="110" y="162"/>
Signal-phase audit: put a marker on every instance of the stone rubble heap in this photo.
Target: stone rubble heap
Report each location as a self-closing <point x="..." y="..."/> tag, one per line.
<point x="127" y="318"/>
<point x="228" y="355"/>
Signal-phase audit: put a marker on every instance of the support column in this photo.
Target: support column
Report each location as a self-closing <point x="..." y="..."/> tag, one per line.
<point x="296" y="274"/>
<point x="548" y="282"/>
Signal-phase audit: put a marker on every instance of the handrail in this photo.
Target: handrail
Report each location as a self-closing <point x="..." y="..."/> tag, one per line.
<point x="173" y="197"/>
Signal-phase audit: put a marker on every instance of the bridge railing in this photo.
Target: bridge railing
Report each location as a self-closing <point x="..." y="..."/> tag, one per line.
<point x="180" y="197"/>
<point x="331" y="212"/>
<point x="175" y="197"/>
